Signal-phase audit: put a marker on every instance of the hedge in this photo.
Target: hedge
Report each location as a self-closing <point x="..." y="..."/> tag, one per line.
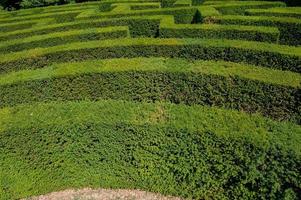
<point x="262" y="54"/>
<point x="181" y="15"/>
<point x="167" y="3"/>
<point x="233" y="92"/>
<point x="206" y="11"/>
<point x="7" y="27"/>
<point x="239" y="7"/>
<point x="139" y="26"/>
<point x="57" y="16"/>
<point x="253" y="33"/>
<point x="167" y="29"/>
<point x="290" y="28"/>
<point x="156" y="147"/>
<point x="277" y="12"/>
<point x="143" y="6"/>
<point x="61" y="38"/>
<point x="182" y="3"/>
<point x="220" y="68"/>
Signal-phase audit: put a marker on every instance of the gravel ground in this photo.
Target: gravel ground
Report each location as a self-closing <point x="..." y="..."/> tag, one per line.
<point x="102" y="194"/>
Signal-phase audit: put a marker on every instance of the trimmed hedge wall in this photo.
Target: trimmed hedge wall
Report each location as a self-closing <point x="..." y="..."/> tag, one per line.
<point x="58" y="16"/>
<point x="275" y="101"/>
<point x="146" y="146"/>
<point x="183" y="15"/>
<point x="239" y="7"/>
<point x="277" y="12"/>
<point x="290" y="28"/>
<point x="251" y="33"/>
<point x="261" y="54"/>
<point x="16" y="26"/>
<point x="64" y="38"/>
<point x="138" y="26"/>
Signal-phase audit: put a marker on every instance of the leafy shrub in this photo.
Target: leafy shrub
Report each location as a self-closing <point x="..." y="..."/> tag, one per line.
<point x="81" y="1"/>
<point x="251" y="33"/>
<point x="65" y="38"/>
<point x="278" y="102"/>
<point x="10" y="4"/>
<point x="257" y="53"/>
<point x="157" y="147"/>
<point x="290" y="28"/>
<point x="40" y="3"/>
<point x="17" y="4"/>
<point x="291" y="2"/>
<point x="138" y="26"/>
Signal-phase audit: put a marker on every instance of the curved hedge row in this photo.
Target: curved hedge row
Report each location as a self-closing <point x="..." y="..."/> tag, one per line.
<point x="157" y="117"/>
<point x="158" y="147"/>
<point x="278" y="102"/>
<point x="138" y="26"/>
<point x="276" y="12"/>
<point x="262" y="54"/>
<point x="239" y="7"/>
<point x="54" y="39"/>
<point x="290" y="28"/>
<point x="251" y="33"/>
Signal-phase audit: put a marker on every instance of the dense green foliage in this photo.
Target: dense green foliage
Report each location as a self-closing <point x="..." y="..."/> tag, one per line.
<point x="235" y="51"/>
<point x="290" y="28"/>
<point x="278" y="102"/>
<point x="199" y="99"/>
<point x="64" y="38"/>
<point x="17" y="4"/>
<point x="39" y="3"/>
<point x="148" y="146"/>
<point x="10" y="4"/>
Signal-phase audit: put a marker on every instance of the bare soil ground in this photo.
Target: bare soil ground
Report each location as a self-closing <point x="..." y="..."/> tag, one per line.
<point x="102" y="194"/>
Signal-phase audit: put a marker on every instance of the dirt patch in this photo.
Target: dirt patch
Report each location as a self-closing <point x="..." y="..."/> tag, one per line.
<point x="102" y="194"/>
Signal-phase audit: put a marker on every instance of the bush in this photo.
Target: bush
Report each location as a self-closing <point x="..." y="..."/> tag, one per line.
<point x="60" y="38"/>
<point x="292" y="2"/>
<point x="276" y="12"/>
<point x="81" y="1"/>
<point x="40" y="3"/>
<point x="257" y="53"/>
<point x="172" y="149"/>
<point x="254" y="33"/>
<point x="10" y="4"/>
<point x="17" y="4"/>
<point x="290" y="28"/>
<point x="277" y="102"/>
<point x="138" y="26"/>
<point x="16" y="26"/>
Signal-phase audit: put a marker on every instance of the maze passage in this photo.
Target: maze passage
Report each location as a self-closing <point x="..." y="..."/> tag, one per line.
<point x="199" y="99"/>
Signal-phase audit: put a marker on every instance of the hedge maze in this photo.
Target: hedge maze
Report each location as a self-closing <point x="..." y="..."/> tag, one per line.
<point x="192" y="98"/>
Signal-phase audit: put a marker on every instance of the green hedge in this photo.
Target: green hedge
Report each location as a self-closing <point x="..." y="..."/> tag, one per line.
<point x="253" y="33"/>
<point x="7" y="27"/>
<point x="167" y="3"/>
<point x="105" y="7"/>
<point x="277" y="12"/>
<point x="239" y="7"/>
<point x="275" y="101"/>
<point x="143" y="6"/>
<point x="176" y="150"/>
<point x="220" y="68"/>
<point x="290" y="28"/>
<point x="59" y="17"/>
<point x="182" y="15"/>
<point x="64" y="38"/>
<point x="262" y="54"/>
<point x="183" y="3"/>
<point x="138" y="26"/>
